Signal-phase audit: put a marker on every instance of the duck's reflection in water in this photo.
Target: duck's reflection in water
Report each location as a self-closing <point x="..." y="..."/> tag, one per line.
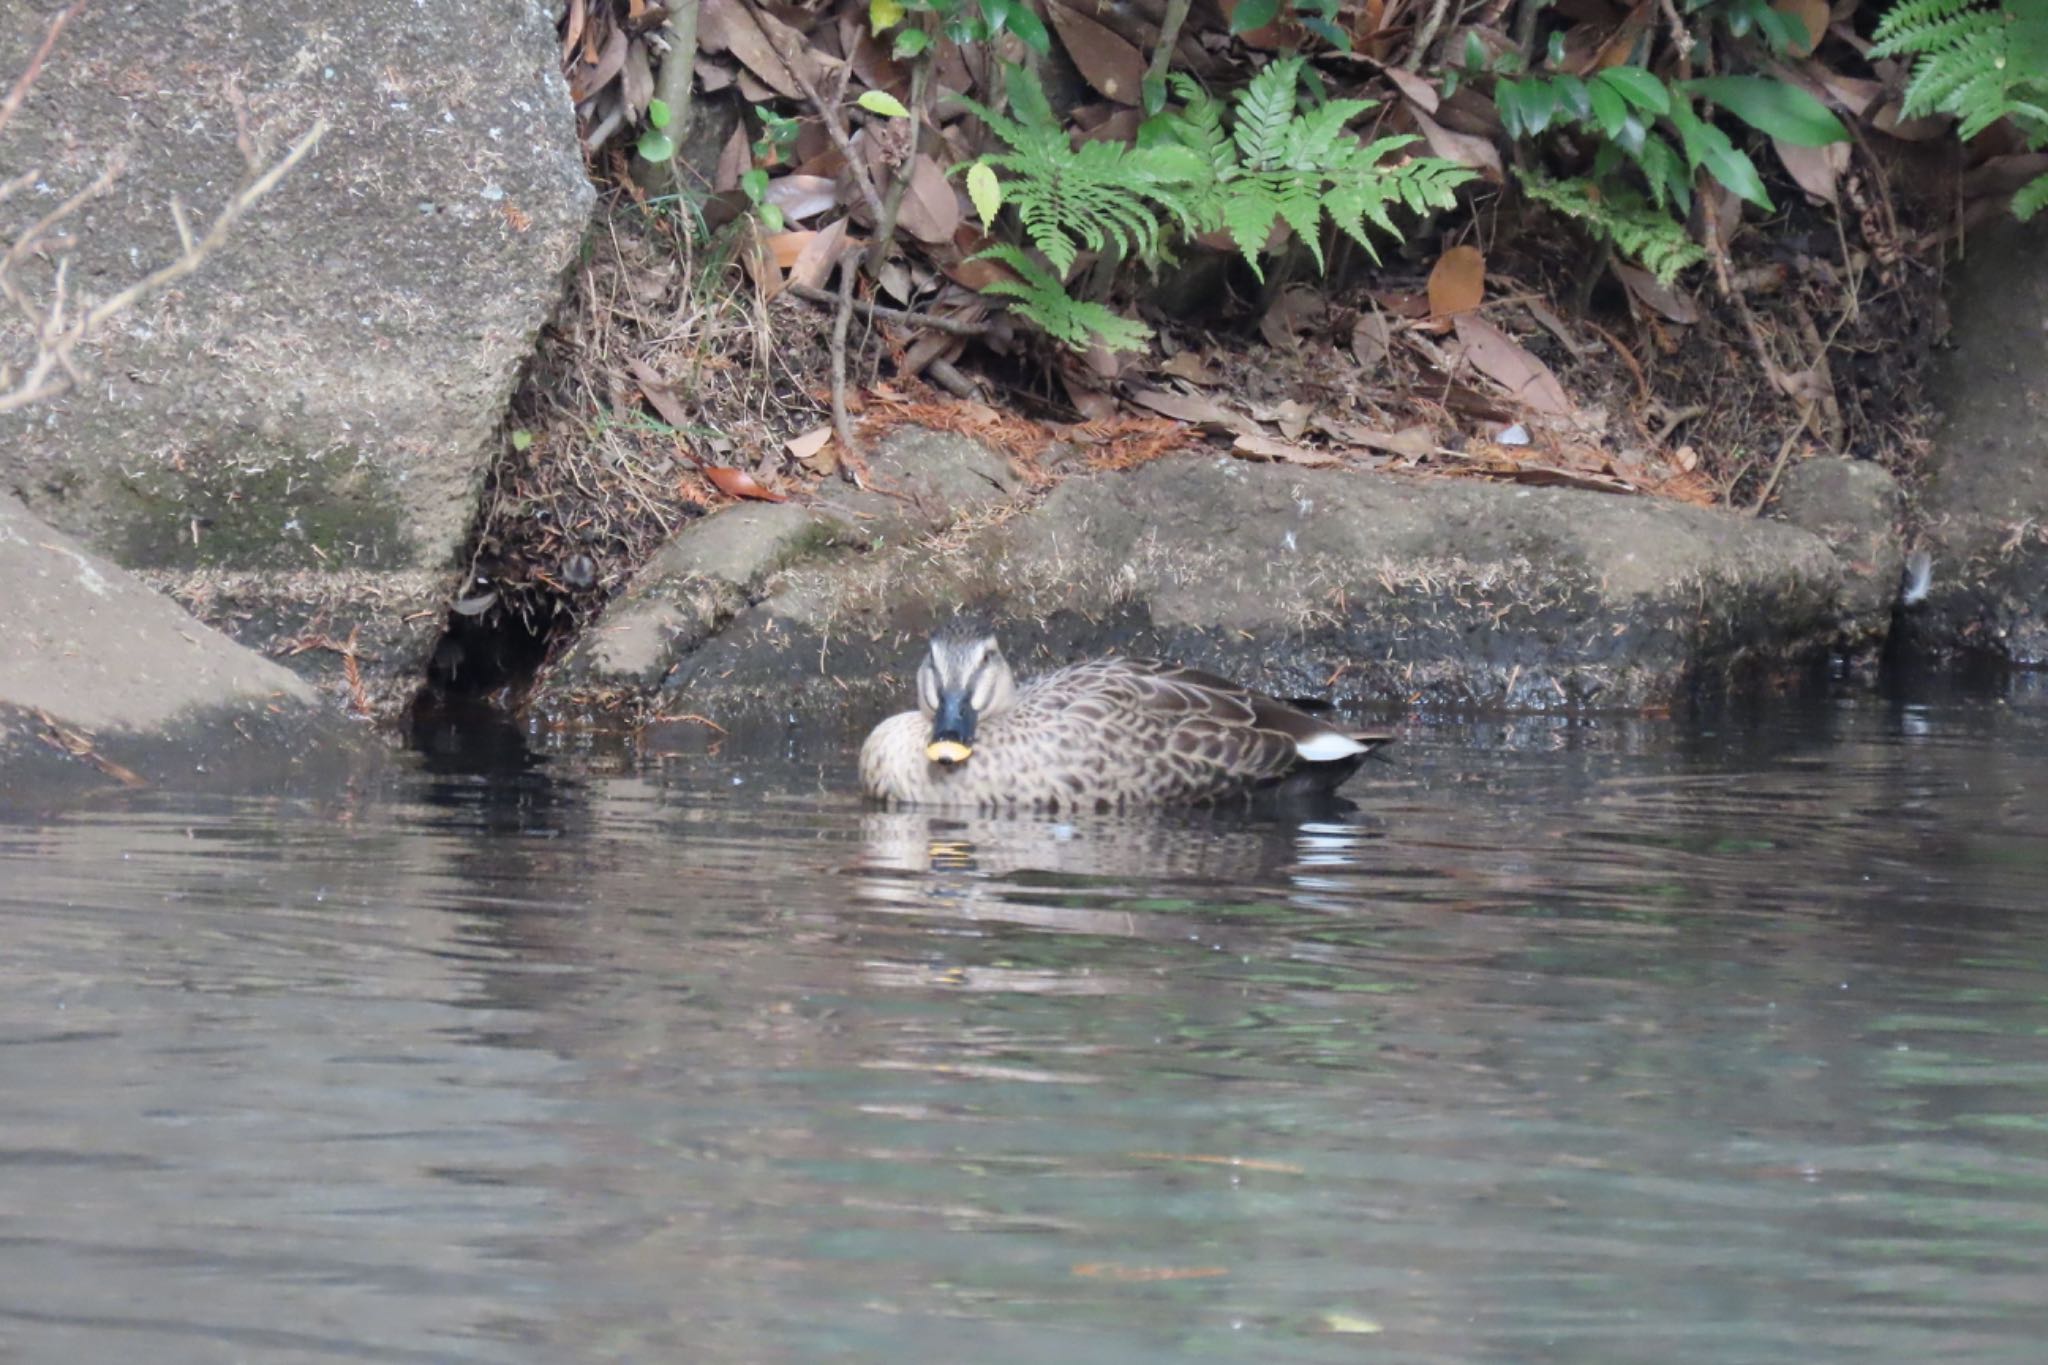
<point x="1147" y="875"/>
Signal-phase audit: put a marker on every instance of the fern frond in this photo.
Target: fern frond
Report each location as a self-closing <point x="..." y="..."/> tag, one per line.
<point x="1904" y="24"/>
<point x="1264" y="111"/>
<point x="1978" y="60"/>
<point x="1638" y="231"/>
<point x="1039" y="296"/>
<point x="2031" y="199"/>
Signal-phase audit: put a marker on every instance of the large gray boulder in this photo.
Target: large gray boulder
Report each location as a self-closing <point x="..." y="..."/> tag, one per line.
<point x="324" y="396"/>
<point x="105" y="683"/>
<point x="1985" y="504"/>
<point x="1303" y="582"/>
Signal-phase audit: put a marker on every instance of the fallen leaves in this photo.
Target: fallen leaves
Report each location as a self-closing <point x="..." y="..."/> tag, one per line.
<point x="1457" y="283"/>
<point x="1510" y="364"/>
<point x="738" y="483"/>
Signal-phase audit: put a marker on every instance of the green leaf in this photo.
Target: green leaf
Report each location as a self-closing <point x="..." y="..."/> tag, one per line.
<point x="655" y="146"/>
<point x="909" y="43"/>
<point x="1327" y="31"/>
<point x="1018" y="19"/>
<point x="985" y="191"/>
<point x="1637" y="86"/>
<point x="1708" y="147"/>
<point x="1610" y="111"/>
<point x="657" y="113"/>
<point x="1152" y="94"/>
<point x="884" y="15"/>
<point x="1027" y="97"/>
<point x="1777" y="108"/>
<point x="1253" y="14"/>
<point x="522" y="439"/>
<point x="883" y="103"/>
<point x="771" y="217"/>
<point x="754" y="184"/>
<point x="1507" y="97"/>
<point x="1573" y="95"/>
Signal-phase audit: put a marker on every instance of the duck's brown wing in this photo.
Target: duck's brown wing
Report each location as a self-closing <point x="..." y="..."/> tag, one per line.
<point x="1192" y="729"/>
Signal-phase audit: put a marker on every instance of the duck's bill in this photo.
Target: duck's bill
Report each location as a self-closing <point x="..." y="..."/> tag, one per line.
<point x="947" y="751"/>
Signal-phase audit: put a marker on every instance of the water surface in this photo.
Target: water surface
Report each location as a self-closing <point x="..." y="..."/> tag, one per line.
<point x="1577" y="1041"/>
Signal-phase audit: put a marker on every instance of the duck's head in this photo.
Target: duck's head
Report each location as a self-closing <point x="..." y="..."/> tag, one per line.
<point x="963" y="681"/>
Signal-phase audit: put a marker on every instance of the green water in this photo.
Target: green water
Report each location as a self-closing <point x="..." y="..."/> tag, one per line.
<point x="1594" y="1041"/>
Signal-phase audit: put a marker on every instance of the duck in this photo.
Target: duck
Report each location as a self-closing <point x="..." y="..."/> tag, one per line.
<point x="1107" y="734"/>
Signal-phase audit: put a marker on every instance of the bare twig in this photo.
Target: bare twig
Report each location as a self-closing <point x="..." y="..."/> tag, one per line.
<point x="842" y="423"/>
<point x="58" y="336"/>
<point x="1784" y="454"/>
<point x="883" y="313"/>
<point x="678" y="70"/>
<point x="1169" y="36"/>
<point x="885" y="227"/>
<point x="1430" y="24"/>
<point x="1681" y="38"/>
<point x="35" y="63"/>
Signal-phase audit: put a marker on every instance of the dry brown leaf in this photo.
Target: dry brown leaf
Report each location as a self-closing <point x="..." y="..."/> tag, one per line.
<point x="1655" y="295"/>
<point x="873" y="65"/>
<point x="1196" y="408"/>
<point x="1457" y="283"/>
<point x="802" y="196"/>
<point x="1415" y="88"/>
<point x="1814" y="169"/>
<point x="764" y="45"/>
<point x="1295" y="310"/>
<point x="1853" y="93"/>
<point x="813" y="265"/>
<point x="758" y="261"/>
<point x="1107" y="62"/>
<point x="1464" y="148"/>
<point x="784" y="248"/>
<point x="1509" y="364"/>
<point x="1261" y="447"/>
<point x="813" y="449"/>
<point x="587" y="80"/>
<point x="1193" y="367"/>
<point x="1549" y="476"/>
<point x="738" y="483"/>
<point x="712" y="74"/>
<point x="1813" y="14"/>
<point x="572" y="28"/>
<point x="931" y="207"/>
<point x="1999" y="176"/>
<point x="1411" y="443"/>
<point x="659" y="395"/>
<point x="636" y="79"/>
<point x="1371" y="338"/>
<point x="1291" y="415"/>
<point x="735" y="159"/>
<point x="1555" y="325"/>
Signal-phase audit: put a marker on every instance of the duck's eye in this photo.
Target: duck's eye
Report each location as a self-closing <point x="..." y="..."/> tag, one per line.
<point x="982" y="690"/>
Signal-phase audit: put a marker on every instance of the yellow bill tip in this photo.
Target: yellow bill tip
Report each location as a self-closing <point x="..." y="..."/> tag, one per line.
<point x="947" y="751"/>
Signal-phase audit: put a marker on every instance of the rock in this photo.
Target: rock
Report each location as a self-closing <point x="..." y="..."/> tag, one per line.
<point x="1985" y="505"/>
<point x="106" y="683"/>
<point x="1305" y="583"/>
<point x="714" y="568"/>
<point x="324" y="395"/>
<point x="1855" y="507"/>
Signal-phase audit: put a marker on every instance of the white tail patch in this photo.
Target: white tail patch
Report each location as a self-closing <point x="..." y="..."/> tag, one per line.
<point x="1327" y="747"/>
